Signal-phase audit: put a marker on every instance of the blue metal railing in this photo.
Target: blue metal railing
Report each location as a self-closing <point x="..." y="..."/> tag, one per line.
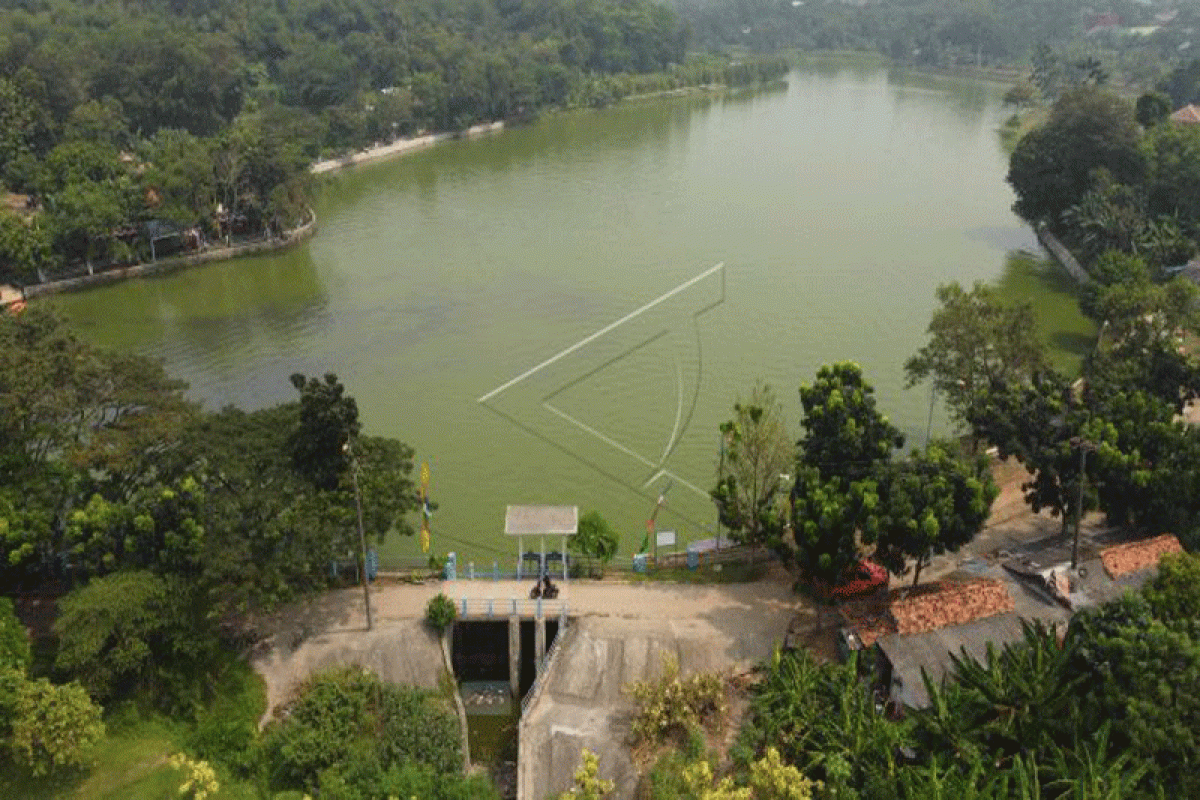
<point x="505" y="607"/>
<point x="543" y="669"/>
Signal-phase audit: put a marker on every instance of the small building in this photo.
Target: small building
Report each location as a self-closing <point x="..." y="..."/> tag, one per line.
<point x="541" y="521"/>
<point x="925" y="628"/>
<point x="1188" y="115"/>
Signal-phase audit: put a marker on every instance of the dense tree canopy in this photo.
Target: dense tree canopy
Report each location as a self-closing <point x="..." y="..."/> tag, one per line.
<point x="975" y="338"/>
<point x="756" y="455"/>
<point x="1053" y="166"/>
<point x="108" y="468"/>
<point x="931" y="503"/>
<point x="143" y="128"/>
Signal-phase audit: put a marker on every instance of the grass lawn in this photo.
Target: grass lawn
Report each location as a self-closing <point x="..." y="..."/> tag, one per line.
<point x="131" y="764"/>
<point x="708" y="573"/>
<point x="131" y="761"/>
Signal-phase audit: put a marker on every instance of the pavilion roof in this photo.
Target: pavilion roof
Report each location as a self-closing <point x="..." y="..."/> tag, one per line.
<point x="536" y="520"/>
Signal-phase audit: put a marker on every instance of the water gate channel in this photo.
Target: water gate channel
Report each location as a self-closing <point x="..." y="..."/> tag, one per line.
<point x="499" y="650"/>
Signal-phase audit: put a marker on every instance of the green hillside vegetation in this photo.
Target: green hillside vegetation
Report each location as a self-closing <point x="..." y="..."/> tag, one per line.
<point x="130" y="124"/>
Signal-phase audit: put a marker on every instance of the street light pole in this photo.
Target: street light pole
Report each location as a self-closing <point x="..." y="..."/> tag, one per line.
<point x="362" y="537"/>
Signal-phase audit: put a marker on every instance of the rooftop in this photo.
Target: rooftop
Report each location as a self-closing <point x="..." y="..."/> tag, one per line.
<point x="922" y="628"/>
<point x="536" y="520"/>
<point x="908" y="611"/>
<point x="1188" y="115"/>
<point x="932" y="651"/>
<point x="1122" y="559"/>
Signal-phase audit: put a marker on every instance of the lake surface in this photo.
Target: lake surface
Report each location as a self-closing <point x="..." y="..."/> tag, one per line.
<point x="541" y="313"/>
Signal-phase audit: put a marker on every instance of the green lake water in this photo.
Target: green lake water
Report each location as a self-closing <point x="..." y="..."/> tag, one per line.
<point x="538" y="312"/>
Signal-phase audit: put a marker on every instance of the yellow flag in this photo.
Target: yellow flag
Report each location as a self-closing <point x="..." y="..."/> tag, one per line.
<point x="424" y="540"/>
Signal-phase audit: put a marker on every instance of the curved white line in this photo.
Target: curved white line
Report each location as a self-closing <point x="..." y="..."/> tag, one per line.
<point x="678" y="411"/>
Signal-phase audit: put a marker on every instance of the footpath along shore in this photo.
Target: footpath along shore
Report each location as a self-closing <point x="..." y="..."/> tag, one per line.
<point x="401" y="147"/>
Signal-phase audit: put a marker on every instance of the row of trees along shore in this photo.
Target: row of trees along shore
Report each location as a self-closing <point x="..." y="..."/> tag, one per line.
<point x="1109" y="711"/>
<point x="140" y="128"/>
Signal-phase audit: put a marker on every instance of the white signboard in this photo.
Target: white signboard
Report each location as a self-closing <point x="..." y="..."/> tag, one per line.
<point x="666" y="538"/>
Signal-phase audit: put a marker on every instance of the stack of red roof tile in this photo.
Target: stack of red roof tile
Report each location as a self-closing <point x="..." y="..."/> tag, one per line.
<point x="1122" y="559"/>
<point x="951" y="603"/>
<point x="927" y="608"/>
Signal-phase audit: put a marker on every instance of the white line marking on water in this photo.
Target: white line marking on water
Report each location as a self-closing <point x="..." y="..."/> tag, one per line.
<point x="593" y="337"/>
<point x="678" y="412"/>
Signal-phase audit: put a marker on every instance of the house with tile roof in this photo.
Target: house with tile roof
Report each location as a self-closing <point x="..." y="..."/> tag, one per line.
<point x="1188" y="115"/>
<point x="922" y="629"/>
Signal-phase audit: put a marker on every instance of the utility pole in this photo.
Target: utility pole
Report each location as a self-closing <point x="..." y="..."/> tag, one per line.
<point x="1084" y="446"/>
<point x="362" y="536"/>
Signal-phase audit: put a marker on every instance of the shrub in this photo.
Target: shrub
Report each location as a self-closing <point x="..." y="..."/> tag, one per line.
<point x="226" y="731"/>
<point x="351" y="722"/>
<point x="55" y="727"/>
<point x="440" y="612"/>
<point x="137" y="630"/>
<point x="670" y="705"/>
<point x="14" y="639"/>
<point x="1174" y="594"/>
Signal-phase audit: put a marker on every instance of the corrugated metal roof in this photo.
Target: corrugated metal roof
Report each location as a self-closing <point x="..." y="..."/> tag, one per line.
<point x="932" y="650"/>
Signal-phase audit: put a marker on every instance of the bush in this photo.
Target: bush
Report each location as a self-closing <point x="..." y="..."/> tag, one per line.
<point x="227" y="730"/>
<point x="351" y="722"/>
<point x="14" y="639"/>
<point x="669" y="706"/>
<point x="1174" y="594"/>
<point x="55" y="727"/>
<point x="137" y="630"/>
<point x="440" y="612"/>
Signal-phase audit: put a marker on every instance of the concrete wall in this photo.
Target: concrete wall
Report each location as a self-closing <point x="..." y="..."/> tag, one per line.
<point x="399" y="147"/>
<point x="165" y="265"/>
<point x="1062" y="255"/>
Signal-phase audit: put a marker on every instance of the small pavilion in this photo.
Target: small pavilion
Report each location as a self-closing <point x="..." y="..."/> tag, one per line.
<point x="541" y="521"/>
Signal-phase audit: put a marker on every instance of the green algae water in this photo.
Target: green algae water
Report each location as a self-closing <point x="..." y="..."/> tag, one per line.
<point x="564" y="312"/>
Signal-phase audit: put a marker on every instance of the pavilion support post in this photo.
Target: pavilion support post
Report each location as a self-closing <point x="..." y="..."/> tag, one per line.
<point x="539" y="642"/>
<point x="514" y="655"/>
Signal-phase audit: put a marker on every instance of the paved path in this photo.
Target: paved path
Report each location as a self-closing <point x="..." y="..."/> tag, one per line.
<point x="331" y="628"/>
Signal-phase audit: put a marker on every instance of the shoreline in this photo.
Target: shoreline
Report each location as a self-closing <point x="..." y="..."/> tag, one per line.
<point x="401" y="147"/>
<point x="13" y="295"/>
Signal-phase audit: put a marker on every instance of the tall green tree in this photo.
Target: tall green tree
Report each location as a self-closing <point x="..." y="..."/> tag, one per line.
<point x="328" y="426"/>
<point x="931" y="503"/>
<point x="845" y="435"/>
<point x="1045" y="429"/>
<point x="24" y="250"/>
<point x="756" y="452"/>
<point x="975" y="338"/>
<point x="829" y="520"/>
<point x="1053" y="166"/>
